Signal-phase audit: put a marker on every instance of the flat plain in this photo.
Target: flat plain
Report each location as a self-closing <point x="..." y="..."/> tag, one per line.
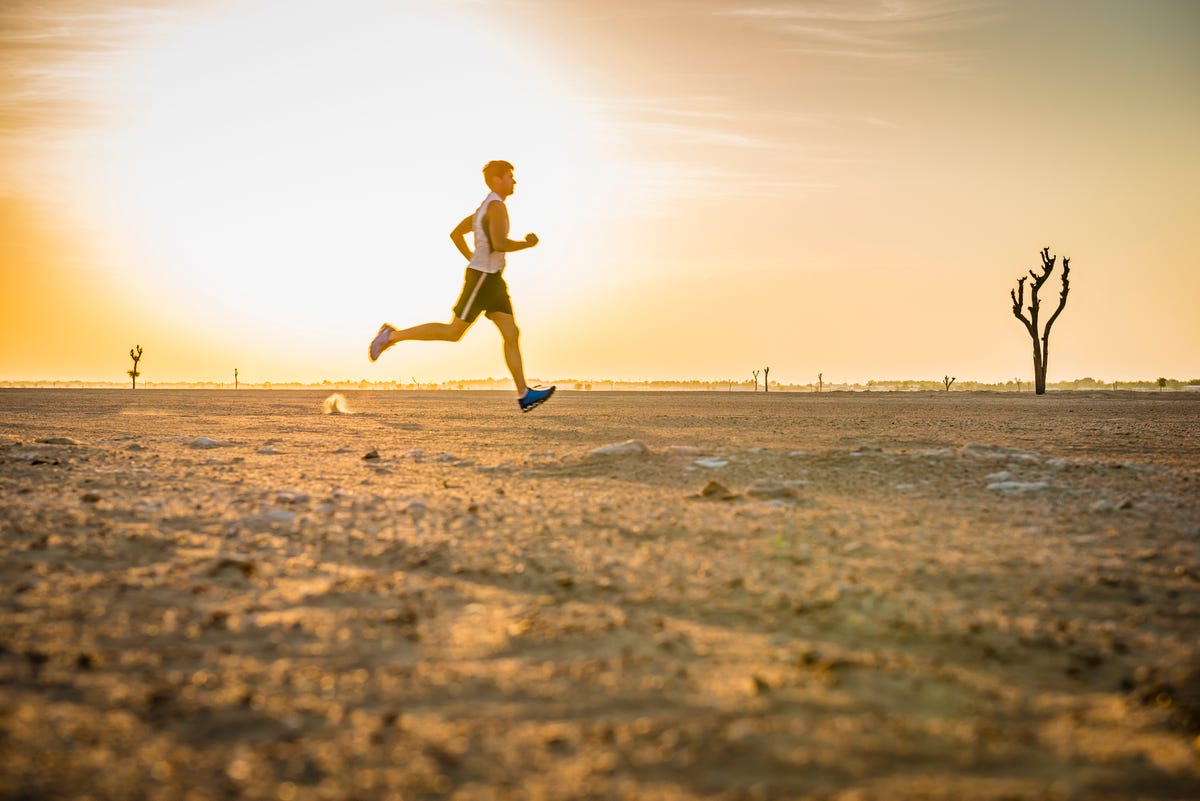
<point x="218" y="594"/>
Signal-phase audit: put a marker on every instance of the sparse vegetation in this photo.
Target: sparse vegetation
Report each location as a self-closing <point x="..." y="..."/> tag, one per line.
<point x="136" y="355"/>
<point x="1041" y="339"/>
<point x="948" y="380"/>
<point x="766" y="379"/>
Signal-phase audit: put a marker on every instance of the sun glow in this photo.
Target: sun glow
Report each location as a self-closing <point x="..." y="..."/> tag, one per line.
<point x="299" y="165"/>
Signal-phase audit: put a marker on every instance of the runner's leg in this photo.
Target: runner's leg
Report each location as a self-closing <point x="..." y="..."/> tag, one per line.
<point x="512" y="348"/>
<point x="433" y="332"/>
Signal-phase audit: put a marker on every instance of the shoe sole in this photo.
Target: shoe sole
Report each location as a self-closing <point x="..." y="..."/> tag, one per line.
<point x="371" y="354"/>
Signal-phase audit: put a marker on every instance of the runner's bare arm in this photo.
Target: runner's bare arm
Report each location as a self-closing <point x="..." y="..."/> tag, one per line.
<point x="496" y="218"/>
<point x="459" y="236"/>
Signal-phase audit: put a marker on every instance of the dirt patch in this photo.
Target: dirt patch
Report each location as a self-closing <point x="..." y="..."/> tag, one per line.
<point x="933" y="596"/>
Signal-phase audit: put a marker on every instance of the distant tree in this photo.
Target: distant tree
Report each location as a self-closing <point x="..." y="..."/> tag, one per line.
<point x="755" y="374"/>
<point x="766" y="379"/>
<point x="948" y="380"/>
<point x="1041" y="339"/>
<point x="1162" y="382"/>
<point x="820" y="381"/>
<point x="235" y="378"/>
<point x="1018" y="384"/>
<point x="136" y="355"/>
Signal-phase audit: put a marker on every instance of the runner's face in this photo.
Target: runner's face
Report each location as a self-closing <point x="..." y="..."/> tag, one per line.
<point x="504" y="185"/>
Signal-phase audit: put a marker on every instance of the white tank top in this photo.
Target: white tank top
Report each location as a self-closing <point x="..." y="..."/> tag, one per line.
<point x="485" y="259"/>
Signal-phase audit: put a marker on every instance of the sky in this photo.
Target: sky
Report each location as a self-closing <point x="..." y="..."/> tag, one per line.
<point x="841" y="187"/>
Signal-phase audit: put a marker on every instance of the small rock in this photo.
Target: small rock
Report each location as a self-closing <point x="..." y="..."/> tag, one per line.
<point x="769" y="489"/>
<point x="59" y="441"/>
<point x="1003" y="475"/>
<point x="243" y="565"/>
<point x="682" y="451"/>
<point x="1015" y="487"/>
<point x="371" y="454"/>
<point x="267" y="450"/>
<point x="203" y="443"/>
<point x="715" y="490"/>
<point x="134" y="446"/>
<point x="630" y="447"/>
<point x="90" y="497"/>
<point x="447" y="457"/>
<point x="712" y="463"/>
<point x="1103" y="505"/>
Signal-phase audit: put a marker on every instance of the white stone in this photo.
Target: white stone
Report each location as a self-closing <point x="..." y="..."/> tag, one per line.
<point x="630" y="447"/>
<point x="1013" y="487"/>
<point x="712" y="462"/>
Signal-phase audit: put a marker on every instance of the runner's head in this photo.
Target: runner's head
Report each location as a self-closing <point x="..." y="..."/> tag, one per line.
<point x="499" y="177"/>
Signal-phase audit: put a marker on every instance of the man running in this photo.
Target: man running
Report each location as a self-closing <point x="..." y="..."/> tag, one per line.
<point x="484" y="290"/>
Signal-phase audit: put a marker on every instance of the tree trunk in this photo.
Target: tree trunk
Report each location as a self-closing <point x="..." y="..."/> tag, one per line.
<point x="1039" y="369"/>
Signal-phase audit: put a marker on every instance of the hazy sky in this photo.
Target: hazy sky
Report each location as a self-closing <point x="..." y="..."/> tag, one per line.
<point x="841" y="187"/>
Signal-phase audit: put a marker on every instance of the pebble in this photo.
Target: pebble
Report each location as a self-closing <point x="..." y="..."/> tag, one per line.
<point x="630" y="447"/>
<point x="1013" y="487"/>
<point x="371" y="454"/>
<point x="712" y="463"/>
<point x="203" y="443"/>
<point x="715" y="490"/>
<point x="763" y="488"/>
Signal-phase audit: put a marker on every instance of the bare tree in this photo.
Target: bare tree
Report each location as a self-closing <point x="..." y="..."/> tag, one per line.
<point x="948" y="380"/>
<point x="1041" y="339"/>
<point x="766" y="381"/>
<point x="820" y="381"/>
<point x="235" y="378"/>
<point x="755" y="374"/>
<point x="133" y="374"/>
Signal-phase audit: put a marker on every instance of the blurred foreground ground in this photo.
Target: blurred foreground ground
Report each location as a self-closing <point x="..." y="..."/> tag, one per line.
<point x="210" y="595"/>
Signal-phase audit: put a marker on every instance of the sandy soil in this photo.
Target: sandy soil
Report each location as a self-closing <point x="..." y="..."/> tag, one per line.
<point x="211" y="595"/>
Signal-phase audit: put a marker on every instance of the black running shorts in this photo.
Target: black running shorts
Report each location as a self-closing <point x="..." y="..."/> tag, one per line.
<point x="482" y="292"/>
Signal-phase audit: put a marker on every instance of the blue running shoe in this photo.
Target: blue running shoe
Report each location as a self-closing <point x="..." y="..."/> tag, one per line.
<point x="534" y="398"/>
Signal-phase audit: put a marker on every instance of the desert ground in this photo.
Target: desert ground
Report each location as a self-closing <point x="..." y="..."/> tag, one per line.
<point x="219" y="594"/>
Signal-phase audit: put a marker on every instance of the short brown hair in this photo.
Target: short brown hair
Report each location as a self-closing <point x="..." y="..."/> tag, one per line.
<point x="494" y="169"/>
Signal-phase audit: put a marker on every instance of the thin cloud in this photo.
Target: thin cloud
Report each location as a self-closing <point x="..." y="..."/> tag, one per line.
<point x="893" y="31"/>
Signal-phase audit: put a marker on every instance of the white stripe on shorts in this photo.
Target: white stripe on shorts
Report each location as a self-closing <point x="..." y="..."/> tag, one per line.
<point x="466" y="312"/>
